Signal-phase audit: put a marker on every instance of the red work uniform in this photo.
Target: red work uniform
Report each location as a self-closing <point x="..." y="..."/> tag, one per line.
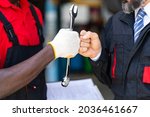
<point x="20" y="38"/>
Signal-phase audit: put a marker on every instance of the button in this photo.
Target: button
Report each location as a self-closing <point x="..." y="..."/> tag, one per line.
<point x="34" y="87"/>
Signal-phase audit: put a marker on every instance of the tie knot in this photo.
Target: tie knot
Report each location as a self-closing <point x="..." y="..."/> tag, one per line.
<point x="141" y="13"/>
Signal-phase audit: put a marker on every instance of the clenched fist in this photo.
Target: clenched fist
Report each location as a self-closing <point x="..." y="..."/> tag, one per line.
<point x="90" y="45"/>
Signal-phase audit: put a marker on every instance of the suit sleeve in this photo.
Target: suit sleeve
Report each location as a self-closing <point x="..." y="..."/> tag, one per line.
<point x="101" y="67"/>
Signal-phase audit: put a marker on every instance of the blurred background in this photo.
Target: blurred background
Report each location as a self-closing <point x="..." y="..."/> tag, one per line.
<point x="92" y="15"/>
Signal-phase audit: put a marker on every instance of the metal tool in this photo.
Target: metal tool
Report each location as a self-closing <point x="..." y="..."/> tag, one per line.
<point x="73" y="13"/>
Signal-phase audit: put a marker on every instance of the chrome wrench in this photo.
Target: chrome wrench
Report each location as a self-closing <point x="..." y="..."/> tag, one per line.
<point x="73" y="13"/>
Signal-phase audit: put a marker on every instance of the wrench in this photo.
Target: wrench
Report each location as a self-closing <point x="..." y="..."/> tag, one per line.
<point x="73" y="13"/>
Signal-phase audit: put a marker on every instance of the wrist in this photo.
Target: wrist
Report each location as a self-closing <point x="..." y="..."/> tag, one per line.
<point x="53" y="48"/>
<point x="96" y="55"/>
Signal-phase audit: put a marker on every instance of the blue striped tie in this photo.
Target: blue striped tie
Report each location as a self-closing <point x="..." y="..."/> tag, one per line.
<point x="139" y="24"/>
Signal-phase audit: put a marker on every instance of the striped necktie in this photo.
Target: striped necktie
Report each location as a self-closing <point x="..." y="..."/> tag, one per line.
<point x="139" y="24"/>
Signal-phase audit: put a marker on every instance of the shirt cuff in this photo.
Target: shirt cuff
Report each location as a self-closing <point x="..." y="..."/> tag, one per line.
<point x="97" y="57"/>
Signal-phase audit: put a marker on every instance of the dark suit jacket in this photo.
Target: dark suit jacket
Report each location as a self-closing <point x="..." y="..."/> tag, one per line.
<point x="124" y="65"/>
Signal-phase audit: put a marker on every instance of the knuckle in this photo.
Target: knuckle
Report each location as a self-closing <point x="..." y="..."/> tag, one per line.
<point x="95" y="34"/>
<point x="89" y="32"/>
<point x="82" y="43"/>
<point x="82" y="32"/>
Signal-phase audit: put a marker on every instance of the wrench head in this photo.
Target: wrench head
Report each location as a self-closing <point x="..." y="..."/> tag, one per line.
<point x="65" y="81"/>
<point x="73" y="10"/>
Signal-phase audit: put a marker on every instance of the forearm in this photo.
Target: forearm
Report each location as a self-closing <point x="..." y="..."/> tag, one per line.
<point x="101" y="68"/>
<point x="16" y="77"/>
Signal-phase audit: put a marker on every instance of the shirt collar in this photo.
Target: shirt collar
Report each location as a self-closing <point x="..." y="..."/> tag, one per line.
<point x="6" y="3"/>
<point x="146" y="9"/>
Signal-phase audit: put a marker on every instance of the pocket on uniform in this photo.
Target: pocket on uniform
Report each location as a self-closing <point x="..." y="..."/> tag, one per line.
<point x="113" y="68"/>
<point x="145" y="62"/>
<point x="117" y="60"/>
<point x="146" y="74"/>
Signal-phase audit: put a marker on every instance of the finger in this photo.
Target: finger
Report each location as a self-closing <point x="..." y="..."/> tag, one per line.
<point x="90" y="35"/>
<point x="85" y="40"/>
<point x="87" y="35"/>
<point x="94" y="36"/>
<point x="83" y="49"/>
<point x="85" y="54"/>
<point x="82" y="33"/>
<point x="83" y="44"/>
